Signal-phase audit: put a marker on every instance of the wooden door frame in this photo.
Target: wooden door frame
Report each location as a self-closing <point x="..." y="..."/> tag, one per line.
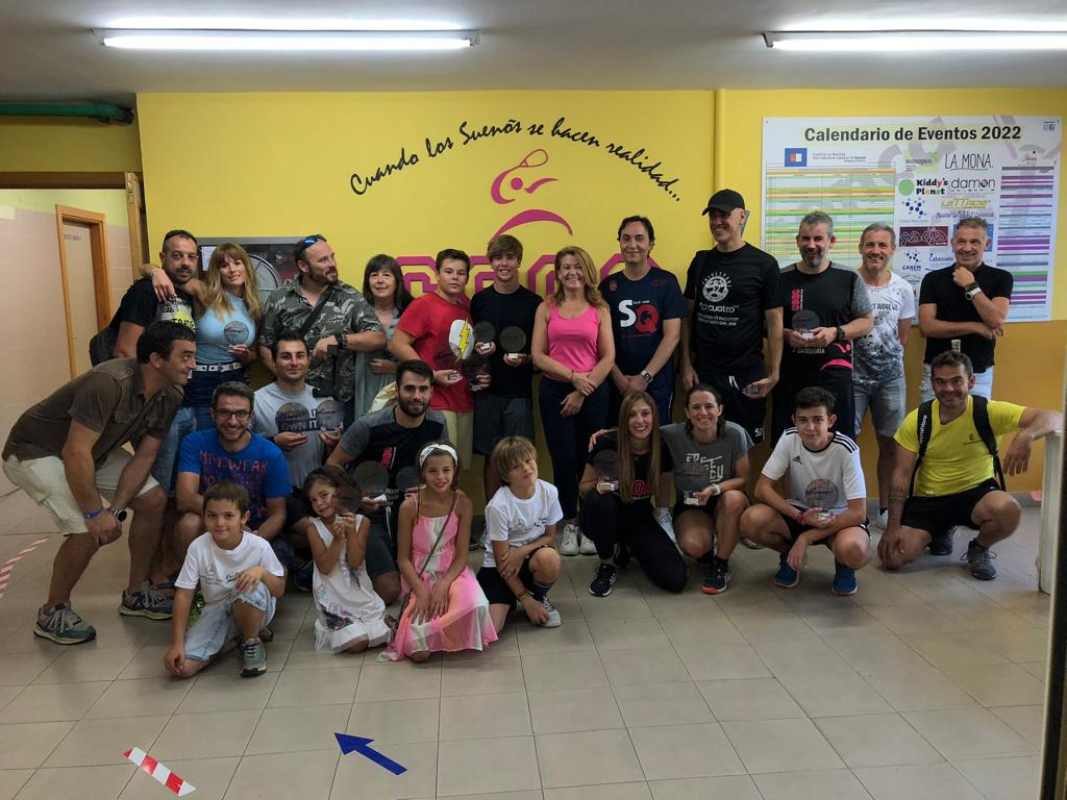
<point x="96" y="223"/>
<point x="130" y="182"/>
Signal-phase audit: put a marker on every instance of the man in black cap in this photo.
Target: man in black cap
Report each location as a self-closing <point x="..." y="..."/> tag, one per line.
<point x="732" y="291"/>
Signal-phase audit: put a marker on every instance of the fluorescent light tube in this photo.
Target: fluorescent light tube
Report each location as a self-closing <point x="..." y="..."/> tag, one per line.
<point x="875" y="42"/>
<point x="210" y="40"/>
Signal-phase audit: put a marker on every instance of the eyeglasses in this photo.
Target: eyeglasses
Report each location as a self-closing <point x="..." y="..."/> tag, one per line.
<point x="305" y="243"/>
<point x="240" y="416"/>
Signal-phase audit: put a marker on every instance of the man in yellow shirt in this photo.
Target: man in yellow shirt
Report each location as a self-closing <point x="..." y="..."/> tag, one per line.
<point x="955" y="483"/>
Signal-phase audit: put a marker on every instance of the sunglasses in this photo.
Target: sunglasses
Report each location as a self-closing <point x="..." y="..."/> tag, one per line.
<point x="305" y="243"/>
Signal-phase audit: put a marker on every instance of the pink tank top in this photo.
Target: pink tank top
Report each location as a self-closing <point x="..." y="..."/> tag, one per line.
<point x="572" y="342"/>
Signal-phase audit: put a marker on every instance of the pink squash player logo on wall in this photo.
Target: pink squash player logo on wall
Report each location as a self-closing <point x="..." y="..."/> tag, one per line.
<point x="517" y="182"/>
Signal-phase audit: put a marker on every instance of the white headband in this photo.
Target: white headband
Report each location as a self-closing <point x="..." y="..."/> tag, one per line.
<point x="434" y="449"/>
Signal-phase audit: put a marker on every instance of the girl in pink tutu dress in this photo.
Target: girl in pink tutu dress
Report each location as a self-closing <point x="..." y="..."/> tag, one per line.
<point x="446" y="610"/>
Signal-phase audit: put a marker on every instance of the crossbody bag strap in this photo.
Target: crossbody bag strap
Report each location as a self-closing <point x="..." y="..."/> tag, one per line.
<point x="440" y="535"/>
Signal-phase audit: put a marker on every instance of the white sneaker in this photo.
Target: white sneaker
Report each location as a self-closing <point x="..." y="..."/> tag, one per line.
<point x="882" y="521"/>
<point x="554" y="619"/>
<point x="568" y="540"/>
<point x="587" y="547"/>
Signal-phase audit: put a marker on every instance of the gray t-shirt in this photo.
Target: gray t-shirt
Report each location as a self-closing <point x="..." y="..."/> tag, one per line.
<point x="879" y="356"/>
<point x="696" y="465"/>
<point x="278" y="411"/>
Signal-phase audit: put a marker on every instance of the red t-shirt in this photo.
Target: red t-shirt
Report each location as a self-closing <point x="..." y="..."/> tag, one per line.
<point x="429" y="320"/>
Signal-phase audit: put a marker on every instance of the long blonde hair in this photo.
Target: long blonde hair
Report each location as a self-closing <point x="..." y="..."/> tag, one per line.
<point x="592" y="294"/>
<point x="215" y="296"/>
<point x="626" y="452"/>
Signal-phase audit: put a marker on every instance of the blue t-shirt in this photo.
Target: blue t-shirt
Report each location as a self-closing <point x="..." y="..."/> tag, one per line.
<point x="638" y="309"/>
<point x="216" y="331"/>
<point x="260" y="468"/>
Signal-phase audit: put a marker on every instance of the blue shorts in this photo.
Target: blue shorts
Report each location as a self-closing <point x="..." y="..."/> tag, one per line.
<point x="888" y="401"/>
<point x="166" y="463"/>
<point x="216" y="625"/>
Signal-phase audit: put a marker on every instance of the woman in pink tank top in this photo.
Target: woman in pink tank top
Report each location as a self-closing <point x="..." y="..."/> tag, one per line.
<point x="573" y="346"/>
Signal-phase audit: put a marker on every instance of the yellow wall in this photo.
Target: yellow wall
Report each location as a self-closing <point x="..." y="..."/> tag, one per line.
<point x="280" y="165"/>
<point x="60" y="145"/>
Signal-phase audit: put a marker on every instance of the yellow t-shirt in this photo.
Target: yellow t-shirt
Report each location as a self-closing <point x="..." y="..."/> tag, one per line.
<point x="956" y="458"/>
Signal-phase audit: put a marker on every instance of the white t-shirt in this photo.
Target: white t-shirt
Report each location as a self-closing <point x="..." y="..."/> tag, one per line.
<point x="825" y="479"/>
<point x="879" y="356"/>
<point x="517" y="522"/>
<point x="216" y="570"/>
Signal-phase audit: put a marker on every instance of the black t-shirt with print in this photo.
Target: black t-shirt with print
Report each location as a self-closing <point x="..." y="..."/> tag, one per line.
<point x="505" y="310"/>
<point x="640" y="491"/>
<point x="638" y="310"/>
<point x="732" y="291"/>
<point x="836" y="296"/>
<point x="140" y="306"/>
<point x="953" y="306"/>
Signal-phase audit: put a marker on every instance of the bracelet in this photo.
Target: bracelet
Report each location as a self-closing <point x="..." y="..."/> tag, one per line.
<point x="93" y="514"/>
<point x="522" y="596"/>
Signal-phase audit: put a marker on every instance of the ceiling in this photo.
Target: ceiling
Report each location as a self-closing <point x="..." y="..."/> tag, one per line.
<point x="47" y="51"/>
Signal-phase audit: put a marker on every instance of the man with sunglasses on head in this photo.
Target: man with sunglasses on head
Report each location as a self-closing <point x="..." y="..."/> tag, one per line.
<point x="332" y="317"/>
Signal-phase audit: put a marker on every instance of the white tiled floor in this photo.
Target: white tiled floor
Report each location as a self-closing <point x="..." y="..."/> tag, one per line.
<point x="926" y="684"/>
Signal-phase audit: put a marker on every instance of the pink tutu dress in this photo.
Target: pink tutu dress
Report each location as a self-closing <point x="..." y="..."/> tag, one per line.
<point x="466" y="625"/>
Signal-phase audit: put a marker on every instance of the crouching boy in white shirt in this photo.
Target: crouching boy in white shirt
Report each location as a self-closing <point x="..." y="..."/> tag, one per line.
<point x="520" y="564"/>
<point x="240" y="578"/>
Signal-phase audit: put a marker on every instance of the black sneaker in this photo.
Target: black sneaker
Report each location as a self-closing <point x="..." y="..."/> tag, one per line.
<point x="980" y="561"/>
<point x="941" y="543"/>
<point x="716" y="576"/>
<point x="603" y="580"/>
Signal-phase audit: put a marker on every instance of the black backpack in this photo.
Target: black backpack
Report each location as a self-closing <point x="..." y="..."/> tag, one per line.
<point x="980" y="414"/>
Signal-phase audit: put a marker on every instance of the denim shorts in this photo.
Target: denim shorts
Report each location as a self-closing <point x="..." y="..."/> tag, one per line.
<point x="164" y="470"/>
<point x="888" y="401"/>
<point x="216" y="625"/>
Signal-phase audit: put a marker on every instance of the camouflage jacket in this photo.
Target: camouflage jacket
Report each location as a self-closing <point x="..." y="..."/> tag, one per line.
<point x="346" y="312"/>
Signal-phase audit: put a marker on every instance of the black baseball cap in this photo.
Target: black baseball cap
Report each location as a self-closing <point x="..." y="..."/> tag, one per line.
<point x="725" y="200"/>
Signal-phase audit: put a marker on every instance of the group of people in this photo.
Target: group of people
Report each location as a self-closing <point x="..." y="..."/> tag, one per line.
<point x="341" y="475"/>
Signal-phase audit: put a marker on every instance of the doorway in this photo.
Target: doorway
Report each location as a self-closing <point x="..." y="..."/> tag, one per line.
<point x="83" y="268"/>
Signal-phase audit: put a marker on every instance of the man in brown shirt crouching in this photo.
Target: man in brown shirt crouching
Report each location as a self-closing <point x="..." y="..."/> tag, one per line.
<point x="66" y="452"/>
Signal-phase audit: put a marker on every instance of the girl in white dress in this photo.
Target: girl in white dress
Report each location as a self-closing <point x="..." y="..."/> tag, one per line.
<point x="350" y="616"/>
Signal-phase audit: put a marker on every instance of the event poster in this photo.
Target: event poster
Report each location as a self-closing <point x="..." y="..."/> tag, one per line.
<point x="921" y="175"/>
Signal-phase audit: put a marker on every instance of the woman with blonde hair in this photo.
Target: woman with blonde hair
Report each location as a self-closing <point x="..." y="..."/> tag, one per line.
<point x="228" y="311"/>
<point x="573" y="346"/>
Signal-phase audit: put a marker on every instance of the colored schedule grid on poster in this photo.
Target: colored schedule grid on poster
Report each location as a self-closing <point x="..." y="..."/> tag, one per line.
<point x="922" y="176"/>
<point x="1025" y="235"/>
<point x="853" y="197"/>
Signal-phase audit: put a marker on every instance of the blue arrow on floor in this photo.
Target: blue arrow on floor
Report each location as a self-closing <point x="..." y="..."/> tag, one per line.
<point x="361" y="745"/>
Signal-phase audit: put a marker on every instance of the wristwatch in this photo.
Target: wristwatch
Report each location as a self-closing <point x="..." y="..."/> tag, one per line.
<point x="972" y="291"/>
<point x="840" y="334"/>
<point x="647" y="375"/>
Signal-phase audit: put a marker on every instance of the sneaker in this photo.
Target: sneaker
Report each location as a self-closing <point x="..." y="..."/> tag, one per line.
<point x="568" y="540"/>
<point x="716" y="576"/>
<point x="554" y="619"/>
<point x="751" y="545"/>
<point x="941" y="543"/>
<point x="63" y="625"/>
<point x="844" y="580"/>
<point x="980" y="561"/>
<point x="786" y="577"/>
<point x="882" y="520"/>
<point x="253" y="658"/>
<point x="603" y="580"/>
<point x="666" y="521"/>
<point x="587" y="546"/>
<point x="149" y="602"/>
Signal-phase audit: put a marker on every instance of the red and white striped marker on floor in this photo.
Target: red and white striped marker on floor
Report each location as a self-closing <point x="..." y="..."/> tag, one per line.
<point x="159" y="771"/>
<point x="5" y="570"/>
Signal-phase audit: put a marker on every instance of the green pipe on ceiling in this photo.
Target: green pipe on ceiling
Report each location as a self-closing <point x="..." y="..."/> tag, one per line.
<point x="103" y="112"/>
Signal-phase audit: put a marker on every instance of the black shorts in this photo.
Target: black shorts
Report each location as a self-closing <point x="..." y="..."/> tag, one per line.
<point x="748" y="412"/>
<point x="380" y="557"/>
<point x="496" y="588"/>
<point x="795" y="529"/>
<point x="937" y="515"/>
<point x="708" y="508"/>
